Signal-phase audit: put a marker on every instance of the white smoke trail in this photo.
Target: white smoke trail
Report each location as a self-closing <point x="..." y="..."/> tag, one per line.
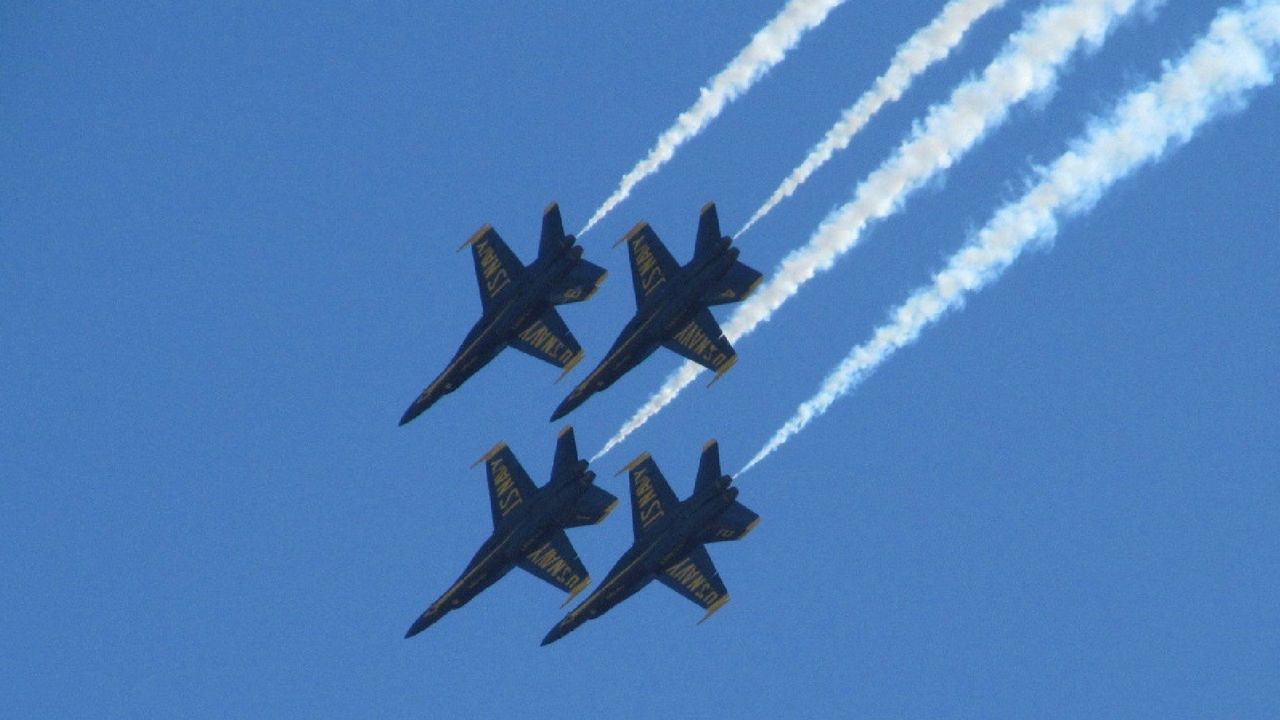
<point x="767" y="48"/>
<point x="929" y="45"/>
<point x="1236" y="56"/>
<point x="1028" y="64"/>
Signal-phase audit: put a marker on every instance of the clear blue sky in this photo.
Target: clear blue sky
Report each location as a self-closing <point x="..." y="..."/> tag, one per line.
<point x="228" y="266"/>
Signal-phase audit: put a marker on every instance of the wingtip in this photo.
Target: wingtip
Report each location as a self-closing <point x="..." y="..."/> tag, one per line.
<point x="710" y="206"/>
<point x="714" y="608"/>
<point x="635" y="230"/>
<point x="639" y="459"/>
<point x="492" y="451"/>
<point x="475" y="237"/>
<point x="577" y="590"/>
<point x="551" y="207"/>
<point x="723" y="369"/>
<point x="709" y="444"/>
<point x="573" y="363"/>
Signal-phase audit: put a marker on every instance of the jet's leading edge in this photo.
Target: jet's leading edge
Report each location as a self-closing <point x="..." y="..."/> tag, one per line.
<point x="670" y="539"/>
<point x="519" y="305"/>
<point x="529" y="526"/>
<point x="671" y="305"/>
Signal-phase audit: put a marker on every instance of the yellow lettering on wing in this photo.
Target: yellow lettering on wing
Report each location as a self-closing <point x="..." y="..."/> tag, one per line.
<point x="495" y="276"/>
<point x="546" y="559"/>
<point x="541" y="338"/>
<point x="505" y="492"/>
<point x="648" y="507"/>
<point x="687" y="574"/>
<point x="648" y="273"/>
<point x="697" y="342"/>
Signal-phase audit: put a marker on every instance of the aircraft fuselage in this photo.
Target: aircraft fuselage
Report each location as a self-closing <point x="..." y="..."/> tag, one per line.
<point x="521" y="532"/>
<point x="528" y="299"/>
<point x="660" y="317"/>
<point x="669" y="542"/>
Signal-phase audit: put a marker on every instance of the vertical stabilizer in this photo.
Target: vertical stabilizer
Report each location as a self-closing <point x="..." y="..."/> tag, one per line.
<point x="708" y="467"/>
<point x="553" y="237"/>
<point x="566" y="453"/>
<point x="708" y="231"/>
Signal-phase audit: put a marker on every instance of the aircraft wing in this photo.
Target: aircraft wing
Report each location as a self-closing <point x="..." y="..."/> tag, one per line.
<point x="496" y="266"/>
<point x="556" y="562"/>
<point x="651" y="496"/>
<point x="694" y="576"/>
<point x="580" y="284"/>
<point x="736" y="285"/>
<point x="549" y="340"/>
<point x="509" y="485"/>
<point x="734" y="523"/>
<point x="593" y="507"/>
<point x="652" y="266"/>
<point x="702" y="341"/>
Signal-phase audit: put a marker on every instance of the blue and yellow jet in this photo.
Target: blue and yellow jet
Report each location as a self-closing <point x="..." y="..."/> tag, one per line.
<point x="528" y="527"/>
<point x="670" y="540"/>
<point x="519" y="305"/>
<point x="672" y="303"/>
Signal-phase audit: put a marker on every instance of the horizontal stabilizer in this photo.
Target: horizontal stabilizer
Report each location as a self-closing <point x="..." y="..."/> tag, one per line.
<point x="735" y="523"/>
<point x="496" y="266"/>
<point x="549" y="340"/>
<point x="735" y="286"/>
<point x="579" y="284"/>
<point x="592" y="508"/>
<point x="695" y="577"/>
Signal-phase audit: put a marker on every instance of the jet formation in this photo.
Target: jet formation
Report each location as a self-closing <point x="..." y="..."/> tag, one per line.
<point x="529" y="522"/>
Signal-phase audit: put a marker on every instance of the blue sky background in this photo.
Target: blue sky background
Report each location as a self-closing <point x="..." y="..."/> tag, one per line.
<point x="228" y="266"/>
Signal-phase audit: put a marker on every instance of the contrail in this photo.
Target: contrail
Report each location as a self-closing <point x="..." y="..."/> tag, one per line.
<point x="1236" y="56"/>
<point x="930" y="44"/>
<point x="1028" y="64"/>
<point x="767" y="48"/>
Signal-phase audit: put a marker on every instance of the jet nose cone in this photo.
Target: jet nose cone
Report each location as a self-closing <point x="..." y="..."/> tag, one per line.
<point x="418" y="407"/>
<point x="571" y="403"/>
<point x="556" y="633"/>
<point x="423" y="622"/>
<point x="422" y="404"/>
<point x="563" y="409"/>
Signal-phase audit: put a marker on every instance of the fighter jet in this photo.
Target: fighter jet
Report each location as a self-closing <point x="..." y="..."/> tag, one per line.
<point x="670" y="540"/>
<point x="672" y="302"/>
<point x="519" y="305"/>
<point x="528" y="527"/>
